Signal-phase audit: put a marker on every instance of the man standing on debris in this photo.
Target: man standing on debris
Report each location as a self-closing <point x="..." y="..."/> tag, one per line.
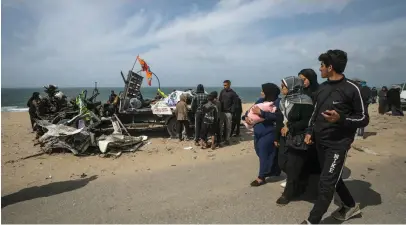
<point x="339" y="111"/>
<point x="112" y="97"/>
<point x="199" y="99"/>
<point x="228" y="99"/>
<point x="33" y="104"/>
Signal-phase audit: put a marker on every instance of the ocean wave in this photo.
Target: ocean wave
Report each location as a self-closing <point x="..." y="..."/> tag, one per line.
<point x="13" y="109"/>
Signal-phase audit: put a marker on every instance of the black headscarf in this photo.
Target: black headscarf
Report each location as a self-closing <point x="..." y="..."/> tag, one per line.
<point x="271" y="91"/>
<point x="312" y="77"/>
<point x="200" y="88"/>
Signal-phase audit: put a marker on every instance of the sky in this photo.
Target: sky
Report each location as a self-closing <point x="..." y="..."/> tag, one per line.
<point x="73" y="43"/>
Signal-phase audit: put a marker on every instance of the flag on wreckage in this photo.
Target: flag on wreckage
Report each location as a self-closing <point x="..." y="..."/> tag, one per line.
<point x="146" y="69"/>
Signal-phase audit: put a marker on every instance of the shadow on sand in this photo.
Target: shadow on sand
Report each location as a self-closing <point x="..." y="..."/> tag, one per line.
<point x="45" y="190"/>
<point x="369" y="134"/>
<point x="362" y="193"/>
<point x="360" y="190"/>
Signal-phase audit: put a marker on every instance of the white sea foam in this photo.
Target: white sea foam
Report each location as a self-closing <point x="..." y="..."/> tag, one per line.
<point x="13" y="109"/>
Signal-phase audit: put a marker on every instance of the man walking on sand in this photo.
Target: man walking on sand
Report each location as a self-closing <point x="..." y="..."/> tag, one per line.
<point x="339" y="111"/>
<point x="228" y="100"/>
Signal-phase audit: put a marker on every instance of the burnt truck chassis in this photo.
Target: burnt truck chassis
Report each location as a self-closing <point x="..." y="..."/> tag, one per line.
<point x="148" y="114"/>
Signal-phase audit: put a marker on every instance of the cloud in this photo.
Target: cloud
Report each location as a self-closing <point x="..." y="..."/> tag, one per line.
<point x="73" y="43"/>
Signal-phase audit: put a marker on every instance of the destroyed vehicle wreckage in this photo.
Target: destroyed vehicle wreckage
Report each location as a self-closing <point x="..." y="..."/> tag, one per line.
<point x="77" y="129"/>
<point x="133" y="109"/>
<point x="80" y="125"/>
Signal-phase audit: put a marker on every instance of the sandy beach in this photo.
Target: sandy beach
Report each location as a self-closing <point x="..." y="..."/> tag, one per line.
<point x="384" y="147"/>
<point x="161" y="153"/>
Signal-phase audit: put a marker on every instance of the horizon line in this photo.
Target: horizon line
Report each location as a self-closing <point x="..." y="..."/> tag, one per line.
<point x="123" y="87"/>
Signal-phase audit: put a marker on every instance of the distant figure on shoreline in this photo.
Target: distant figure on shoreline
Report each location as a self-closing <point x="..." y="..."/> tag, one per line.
<point x="394" y="101"/>
<point x="383" y="100"/>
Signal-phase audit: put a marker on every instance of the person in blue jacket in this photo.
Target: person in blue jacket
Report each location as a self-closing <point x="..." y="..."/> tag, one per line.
<point x="264" y="133"/>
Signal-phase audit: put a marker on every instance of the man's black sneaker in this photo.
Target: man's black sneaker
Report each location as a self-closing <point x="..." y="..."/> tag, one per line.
<point x="345" y="213"/>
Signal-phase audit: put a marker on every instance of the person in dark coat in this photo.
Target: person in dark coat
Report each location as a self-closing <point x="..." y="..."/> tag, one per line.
<point x="228" y="99"/>
<point x="218" y="105"/>
<point x="311" y="86"/>
<point x="383" y="100"/>
<point x="264" y="133"/>
<point x="199" y="99"/>
<point x="33" y="111"/>
<point x="394" y="101"/>
<point x="236" y="123"/>
<point x="297" y="109"/>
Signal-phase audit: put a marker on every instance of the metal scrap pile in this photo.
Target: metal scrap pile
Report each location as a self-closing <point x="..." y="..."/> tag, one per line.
<point x="78" y="128"/>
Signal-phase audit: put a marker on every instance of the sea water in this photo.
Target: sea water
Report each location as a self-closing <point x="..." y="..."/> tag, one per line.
<point x="15" y="99"/>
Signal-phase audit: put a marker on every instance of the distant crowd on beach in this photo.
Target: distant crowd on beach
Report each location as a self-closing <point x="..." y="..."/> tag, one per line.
<point x="309" y="130"/>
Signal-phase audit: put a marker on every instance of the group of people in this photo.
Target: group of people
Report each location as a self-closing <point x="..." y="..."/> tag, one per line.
<point x="389" y="100"/>
<point x="216" y="116"/>
<point x="309" y="130"/>
<point x="300" y="127"/>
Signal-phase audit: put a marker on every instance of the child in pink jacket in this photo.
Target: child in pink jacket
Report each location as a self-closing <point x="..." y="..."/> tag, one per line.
<point x="266" y="107"/>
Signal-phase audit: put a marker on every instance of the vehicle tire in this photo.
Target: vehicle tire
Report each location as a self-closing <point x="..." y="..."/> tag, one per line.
<point x="171" y="127"/>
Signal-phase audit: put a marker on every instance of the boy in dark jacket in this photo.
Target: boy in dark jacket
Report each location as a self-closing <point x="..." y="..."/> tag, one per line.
<point x="199" y="99"/>
<point x="217" y="127"/>
<point x="210" y="120"/>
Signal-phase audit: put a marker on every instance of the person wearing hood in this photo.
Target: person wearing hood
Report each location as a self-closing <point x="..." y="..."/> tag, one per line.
<point x="199" y="99"/>
<point x="33" y="104"/>
<point x="310" y="84"/>
<point x="394" y="100"/>
<point x="297" y="108"/>
<point x="383" y="100"/>
<point x="264" y="133"/>
<point x="228" y="99"/>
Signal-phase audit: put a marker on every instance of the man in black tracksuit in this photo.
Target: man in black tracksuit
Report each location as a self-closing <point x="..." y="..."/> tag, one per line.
<point x="339" y="111"/>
